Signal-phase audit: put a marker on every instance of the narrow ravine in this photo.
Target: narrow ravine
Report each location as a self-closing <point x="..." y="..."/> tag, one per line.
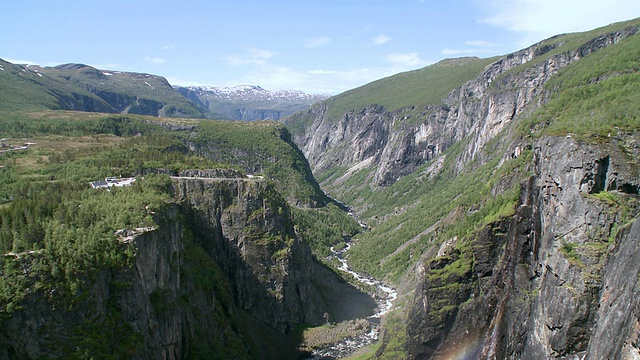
<point x="384" y="297"/>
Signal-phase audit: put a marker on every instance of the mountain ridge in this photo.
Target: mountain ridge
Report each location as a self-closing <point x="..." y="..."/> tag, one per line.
<point x="248" y="102"/>
<point x="81" y="87"/>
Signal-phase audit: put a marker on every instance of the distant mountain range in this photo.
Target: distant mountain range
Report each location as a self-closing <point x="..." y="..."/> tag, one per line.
<point x="84" y="88"/>
<point x="248" y="102"/>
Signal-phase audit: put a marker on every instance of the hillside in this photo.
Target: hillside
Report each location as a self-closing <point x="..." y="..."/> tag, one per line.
<point x="246" y="102"/>
<point x="84" y="88"/>
<point x="206" y="253"/>
<point x="499" y="200"/>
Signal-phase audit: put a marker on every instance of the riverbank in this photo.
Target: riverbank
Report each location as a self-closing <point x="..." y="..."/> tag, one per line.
<point x="339" y="340"/>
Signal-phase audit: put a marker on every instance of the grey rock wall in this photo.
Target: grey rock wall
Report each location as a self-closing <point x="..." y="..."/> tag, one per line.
<point x="553" y="281"/>
<point x="475" y="112"/>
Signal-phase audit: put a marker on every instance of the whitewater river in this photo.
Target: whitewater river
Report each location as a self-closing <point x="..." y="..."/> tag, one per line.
<point x="385" y="302"/>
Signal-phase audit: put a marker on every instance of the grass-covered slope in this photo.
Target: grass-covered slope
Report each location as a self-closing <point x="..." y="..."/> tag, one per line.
<point x="416" y="88"/>
<point x="23" y="89"/>
<point x="596" y="97"/>
<point x="84" y="88"/>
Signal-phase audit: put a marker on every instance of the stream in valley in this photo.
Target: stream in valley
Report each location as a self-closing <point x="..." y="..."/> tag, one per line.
<point x="384" y="297"/>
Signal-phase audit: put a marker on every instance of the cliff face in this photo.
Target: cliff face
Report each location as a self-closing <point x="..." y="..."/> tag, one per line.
<point x="250" y="234"/>
<point x="224" y="275"/>
<point x="475" y="113"/>
<point x="549" y="281"/>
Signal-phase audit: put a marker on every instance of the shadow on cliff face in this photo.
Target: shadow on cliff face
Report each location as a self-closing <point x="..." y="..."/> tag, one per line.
<point x="343" y="300"/>
<point x="275" y="287"/>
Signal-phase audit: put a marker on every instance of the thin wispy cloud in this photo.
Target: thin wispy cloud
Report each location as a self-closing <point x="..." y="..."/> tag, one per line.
<point x="316" y="42"/>
<point x="168" y="47"/>
<point x="253" y="56"/>
<point x="472" y="47"/>
<point x="408" y="59"/>
<point x="325" y="81"/>
<point x="381" y="39"/>
<point x="366" y="29"/>
<point x="322" y="72"/>
<point x="538" y="19"/>
<point x="155" y="60"/>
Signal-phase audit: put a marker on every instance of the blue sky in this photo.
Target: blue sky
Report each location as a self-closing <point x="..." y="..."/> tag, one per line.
<point x="326" y="46"/>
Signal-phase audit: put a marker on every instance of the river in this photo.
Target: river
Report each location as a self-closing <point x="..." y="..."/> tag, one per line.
<point x="385" y="297"/>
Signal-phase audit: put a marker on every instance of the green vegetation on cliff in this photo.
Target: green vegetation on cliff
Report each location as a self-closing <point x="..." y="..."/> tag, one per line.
<point x="595" y="98"/>
<point x="418" y="212"/>
<point x="263" y="148"/>
<point x="60" y="239"/>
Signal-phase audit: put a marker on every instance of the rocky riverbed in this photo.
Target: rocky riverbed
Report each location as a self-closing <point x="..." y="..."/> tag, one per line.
<point x="335" y="341"/>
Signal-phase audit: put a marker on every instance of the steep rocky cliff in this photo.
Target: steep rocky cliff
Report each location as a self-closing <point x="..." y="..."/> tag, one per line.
<point x="542" y="283"/>
<point x="250" y="234"/>
<point x="396" y="143"/>
<point x="502" y="213"/>
<point x="224" y="275"/>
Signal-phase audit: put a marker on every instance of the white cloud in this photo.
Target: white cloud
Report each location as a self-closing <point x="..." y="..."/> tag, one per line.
<point x="168" y="47"/>
<point x="381" y="39"/>
<point x="322" y="72"/>
<point x="317" y="81"/>
<point x="260" y="54"/>
<point x="316" y="42"/>
<point x="155" y="60"/>
<point x="538" y="19"/>
<point x="408" y="59"/>
<point x="253" y="56"/>
<point x="366" y="29"/>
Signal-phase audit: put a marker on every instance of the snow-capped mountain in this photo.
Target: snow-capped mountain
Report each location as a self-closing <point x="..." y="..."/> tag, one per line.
<point x="252" y="92"/>
<point x="248" y="102"/>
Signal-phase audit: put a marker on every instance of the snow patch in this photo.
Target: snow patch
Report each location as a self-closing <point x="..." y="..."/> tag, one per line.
<point x="107" y="73"/>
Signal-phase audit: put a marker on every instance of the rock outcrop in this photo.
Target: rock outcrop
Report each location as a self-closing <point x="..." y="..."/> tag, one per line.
<point x="547" y="282"/>
<point x="249" y="232"/>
